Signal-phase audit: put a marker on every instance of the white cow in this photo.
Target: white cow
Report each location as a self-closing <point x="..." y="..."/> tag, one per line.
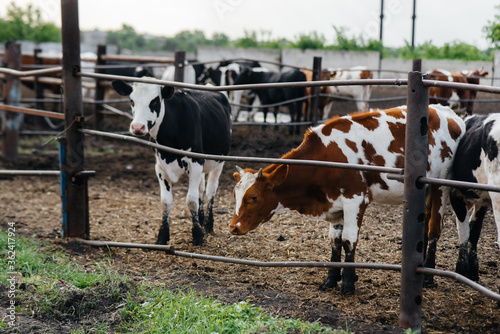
<point x="360" y="93"/>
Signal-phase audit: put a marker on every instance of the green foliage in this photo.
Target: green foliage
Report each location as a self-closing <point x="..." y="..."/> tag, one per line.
<point x="187" y="312"/>
<point x="456" y="50"/>
<point x="492" y="30"/>
<point x="356" y="43"/>
<point x="26" y="24"/>
<point x="128" y="38"/>
<point x="312" y="41"/>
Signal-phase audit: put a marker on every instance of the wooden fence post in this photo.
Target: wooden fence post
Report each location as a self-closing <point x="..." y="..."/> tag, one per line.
<point x="11" y="121"/>
<point x="39" y="93"/>
<point x="99" y="88"/>
<point x="76" y="184"/>
<point x="315" y="90"/>
<point x="180" y="57"/>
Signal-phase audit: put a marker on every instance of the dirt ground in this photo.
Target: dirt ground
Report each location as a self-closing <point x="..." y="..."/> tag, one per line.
<point x="124" y="206"/>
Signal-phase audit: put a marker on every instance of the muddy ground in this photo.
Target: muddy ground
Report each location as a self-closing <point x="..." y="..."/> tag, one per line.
<point x="124" y="206"/>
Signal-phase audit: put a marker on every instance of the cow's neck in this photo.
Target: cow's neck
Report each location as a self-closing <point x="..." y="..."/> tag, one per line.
<point x="302" y="190"/>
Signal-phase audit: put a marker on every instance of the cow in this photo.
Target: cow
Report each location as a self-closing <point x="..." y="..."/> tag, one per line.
<point x="188" y="120"/>
<point x="226" y="74"/>
<point x="192" y="73"/>
<point x="276" y="95"/>
<point x="476" y="160"/>
<point x="361" y="94"/>
<point x="460" y="100"/>
<point x="341" y="196"/>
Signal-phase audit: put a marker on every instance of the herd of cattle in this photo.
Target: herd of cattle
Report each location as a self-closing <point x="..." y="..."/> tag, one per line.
<point x="198" y="121"/>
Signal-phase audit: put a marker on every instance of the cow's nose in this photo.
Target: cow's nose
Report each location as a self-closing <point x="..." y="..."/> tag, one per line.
<point x="234" y="230"/>
<point x="138" y="129"/>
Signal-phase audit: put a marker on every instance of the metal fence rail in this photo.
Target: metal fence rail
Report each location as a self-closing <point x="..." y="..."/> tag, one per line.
<point x="170" y="250"/>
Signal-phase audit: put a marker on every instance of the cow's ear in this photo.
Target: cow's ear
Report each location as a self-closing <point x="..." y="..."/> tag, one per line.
<point x="237" y="176"/>
<point x="121" y="87"/>
<point x="278" y="176"/>
<point x="167" y="92"/>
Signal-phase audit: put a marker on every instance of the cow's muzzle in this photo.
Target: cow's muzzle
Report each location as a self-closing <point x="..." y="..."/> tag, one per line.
<point x="138" y="129"/>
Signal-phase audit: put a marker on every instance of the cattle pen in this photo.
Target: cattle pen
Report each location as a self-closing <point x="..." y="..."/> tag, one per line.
<point x="74" y="177"/>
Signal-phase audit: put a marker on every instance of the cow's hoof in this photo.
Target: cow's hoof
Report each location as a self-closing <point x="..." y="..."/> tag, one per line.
<point x="429" y="280"/>
<point x="198" y="242"/>
<point x="328" y="284"/>
<point x="347" y="288"/>
<point x="161" y="241"/>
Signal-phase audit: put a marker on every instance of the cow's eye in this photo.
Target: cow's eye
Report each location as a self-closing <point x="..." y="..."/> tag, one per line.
<point x="253" y="199"/>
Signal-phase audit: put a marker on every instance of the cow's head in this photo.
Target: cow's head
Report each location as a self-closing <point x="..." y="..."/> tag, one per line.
<point x="147" y="104"/>
<point x="256" y="200"/>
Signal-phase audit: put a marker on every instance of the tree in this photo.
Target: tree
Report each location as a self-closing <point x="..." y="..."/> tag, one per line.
<point x="26" y="24"/>
<point x="492" y="30"/>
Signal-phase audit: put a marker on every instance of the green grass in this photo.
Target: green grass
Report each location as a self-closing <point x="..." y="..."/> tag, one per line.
<point x="99" y="300"/>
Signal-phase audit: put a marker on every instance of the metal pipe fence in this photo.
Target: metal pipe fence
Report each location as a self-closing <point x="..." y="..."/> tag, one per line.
<point x="395" y="173"/>
<point x="170" y="250"/>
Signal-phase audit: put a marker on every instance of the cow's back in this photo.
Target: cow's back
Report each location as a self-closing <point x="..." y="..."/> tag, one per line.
<point x="375" y="137"/>
<point x="479" y="138"/>
<point x="198" y="121"/>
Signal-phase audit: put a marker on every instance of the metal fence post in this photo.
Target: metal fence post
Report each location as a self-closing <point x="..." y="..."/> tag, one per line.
<point x="76" y="185"/>
<point x="315" y="90"/>
<point x="180" y="57"/>
<point x="414" y="202"/>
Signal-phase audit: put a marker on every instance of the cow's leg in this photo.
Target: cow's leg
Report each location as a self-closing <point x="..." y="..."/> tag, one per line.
<point x="212" y="184"/>
<point x="236" y="99"/>
<point x="291" y="110"/>
<point x="264" y="111"/>
<point x="434" y="209"/>
<point x="201" y="206"/>
<point x="166" y="200"/>
<point x="476" y="225"/>
<point x="336" y="240"/>
<point x="463" y="229"/>
<point x="495" y="201"/>
<point x="353" y="217"/>
<point x="298" y="117"/>
<point x="192" y="201"/>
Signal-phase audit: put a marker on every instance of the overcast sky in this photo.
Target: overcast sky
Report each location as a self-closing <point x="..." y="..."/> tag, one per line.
<point x="439" y="21"/>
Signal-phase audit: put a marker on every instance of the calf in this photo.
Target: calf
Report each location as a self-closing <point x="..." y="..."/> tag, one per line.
<point x="476" y="160"/>
<point x="189" y="120"/>
<point x="460" y="100"/>
<point x="276" y="95"/>
<point x="341" y="196"/>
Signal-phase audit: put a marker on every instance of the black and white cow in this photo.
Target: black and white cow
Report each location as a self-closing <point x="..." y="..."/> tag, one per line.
<point x="477" y="160"/>
<point x="226" y="74"/>
<point x="189" y="120"/>
<point x="276" y="95"/>
<point x="192" y="73"/>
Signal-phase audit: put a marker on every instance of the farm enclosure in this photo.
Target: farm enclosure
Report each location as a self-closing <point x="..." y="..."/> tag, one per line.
<point x="124" y="206"/>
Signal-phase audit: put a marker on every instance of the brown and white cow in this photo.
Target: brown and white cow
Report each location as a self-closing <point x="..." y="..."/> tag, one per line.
<point x="341" y="196"/>
<point x="361" y="94"/>
<point x="460" y="100"/>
